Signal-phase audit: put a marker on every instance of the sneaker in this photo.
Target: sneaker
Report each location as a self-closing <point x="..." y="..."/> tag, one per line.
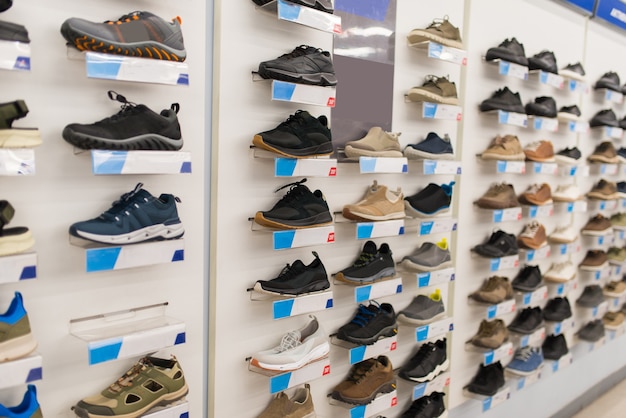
<point x="622" y="123"/>
<point x="527" y="279"/>
<point x="136" y="217"/>
<point x="568" y="156"/>
<point x="433" y="200"/>
<point x="621" y="155"/>
<point x="429" y="361"/>
<point x="488" y="379"/>
<point x="573" y="71"/>
<point x="433" y="147"/>
<point x="13" y="240"/>
<point x="491" y="334"/>
<point x="371" y="266"/>
<point x="616" y="255"/>
<point x="604" y="117"/>
<point x="598" y="225"/>
<point x="604" y="153"/>
<point x="435" y="89"/>
<point x="377" y="143"/>
<point x="536" y="194"/>
<point x="507" y="148"/>
<point x="137" y="34"/>
<point x="568" y="113"/>
<point x="508" y="50"/>
<point x="604" y="190"/>
<point x="12" y="32"/>
<point x="300" y="405"/>
<point x="150" y="382"/>
<point x="5" y="5"/>
<point x="540" y="151"/>
<point x="494" y="290"/>
<point x="296" y="279"/>
<point x="430" y="406"/>
<point x="566" y="193"/>
<point x="609" y="80"/>
<point x="614" y="289"/>
<point x="323" y="5"/>
<point x="557" y="310"/>
<point x="298" y="208"/>
<point x="527" y="360"/>
<point x="594" y="260"/>
<point x="297" y="348"/>
<point x="554" y="347"/>
<point x="440" y="31"/>
<point x="527" y="321"/>
<point x="503" y="99"/>
<point x="498" y="196"/>
<point x="135" y="127"/>
<point x="621" y="189"/>
<point x="423" y="309"/>
<point x="542" y="106"/>
<point x="613" y="320"/>
<point x="591" y="297"/>
<point x="12" y="137"/>
<point x="366" y="383"/>
<point x="28" y="408"/>
<point x="304" y="65"/>
<point x="618" y="220"/>
<point x="592" y="331"/>
<point x="500" y="244"/>
<point x="370" y="324"/>
<point x="382" y="205"/>
<point x="533" y="236"/>
<point x="544" y="61"/>
<point x="560" y="272"/>
<point x="16" y="337"/>
<point x="428" y="257"/>
<point x="563" y="234"/>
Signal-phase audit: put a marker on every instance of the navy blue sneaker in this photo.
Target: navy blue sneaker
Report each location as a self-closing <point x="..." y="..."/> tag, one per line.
<point x="621" y="155"/>
<point x="621" y="189"/>
<point x="433" y="147"/>
<point x="28" y="408"/>
<point x="527" y="360"/>
<point x="136" y="217"/>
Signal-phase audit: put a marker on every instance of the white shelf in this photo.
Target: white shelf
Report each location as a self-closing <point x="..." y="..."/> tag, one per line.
<point x="434" y="329"/>
<point x="303" y="15"/>
<point x="284" y="91"/>
<point x="14" y="268"/>
<point x="525" y="381"/>
<point x="280" y="381"/>
<point x="441" y="111"/>
<point x="611" y="96"/>
<point x="379" y="229"/>
<point x="613" y="132"/>
<point x="14" y="56"/>
<point x="512" y="167"/>
<point x="378" y="405"/>
<point x="305" y="167"/>
<point x="504" y="263"/>
<point x="543" y="211"/>
<point x="556" y="328"/>
<point x="436" y="226"/>
<point x="604" y="169"/>
<point x="506" y="215"/>
<point x="378" y="290"/>
<point x="545" y="168"/>
<point x="571" y="248"/>
<point x="431" y="167"/>
<point x="549" y="79"/>
<point x="500" y="353"/>
<point x="17" y="162"/>
<point x="578" y="126"/>
<point x="561" y="363"/>
<point x="435" y="385"/>
<point x="21" y="371"/>
<point x="358" y="353"/>
<point x="371" y="165"/>
<point x="432" y="278"/>
<point x="179" y="410"/>
<point x="299" y="305"/>
<point x="503" y="308"/>
<point x="489" y="402"/>
<point x="579" y="206"/>
<point x="530" y="256"/>
<point x="615" y="303"/>
<point x="297" y="238"/>
<point x="577" y="86"/>
<point x="533" y="298"/>
<point x="534" y="339"/>
<point x="562" y="289"/>
<point x="140" y="162"/>
<point x="545" y="124"/>
<point x="574" y="170"/>
<point x="441" y="52"/>
<point x="512" y="118"/>
<point x="511" y="69"/>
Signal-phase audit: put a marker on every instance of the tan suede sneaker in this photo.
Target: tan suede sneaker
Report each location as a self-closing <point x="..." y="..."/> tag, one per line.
<point x="495" y="289"/>
<point x="379" y="205"/>
<point x="533" y="236"/>
<point x="613" y="320"/>
<point x="604" y="190"/>
<point x="507" y="148"/>
<point x="300" y="405"/>
<point x="598" y="225"/>
<point x="435" y="89"/>
<point x="540" y="151"/>
<point x="604" y="153"/>
<point x="440" y="31"/>
<point x="499" y="196"/>
<point x="537" y="195"/>
<point x="491" y="334"/>
<point x="377" y="143"/>
<point x="364" y="387"/>
<point x="594" y="260"/>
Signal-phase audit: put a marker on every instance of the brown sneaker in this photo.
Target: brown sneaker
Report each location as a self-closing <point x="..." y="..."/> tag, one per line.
<point x="614" y="289"/>
<point x="507" y="148"/>
<point x="363" y="387"/>
<point x="594" y="260"/>
<point x="495" y="289"/>
<point x="379" y="205"/>
<point x="491" y="334"/>
<point x="533" y="236"/>
<point x="541" y="151"/>
<point x="440" y="31"/>
<point x="435" y="89"/>
<point x="598" y="225"/>
<point x="616" y="254"/>
<point x="604" y="190"/>
<point x="613" y="320"/>
<point x="499" y="196"/>
<point x="537" y="195"/>
<point x="604" y="153"/>
<point x="377" y="143"/>
<point x="298" y="406"/>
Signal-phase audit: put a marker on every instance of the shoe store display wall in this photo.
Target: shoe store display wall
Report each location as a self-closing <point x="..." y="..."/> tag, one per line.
<point x="91" y="336"/>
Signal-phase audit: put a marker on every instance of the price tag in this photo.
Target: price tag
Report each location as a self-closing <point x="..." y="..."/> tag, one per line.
<point x="437" y="227"/>
<point x="546" y="124"/>
<point x="511" y="118"/>
<point x="576" y="86"/>
<point x="513" y="167"/>
<point x="505" y="350"/>
<point x="513" y="70"/>
<point x="500" y="309"/>
<point x="507" y="215"/>
<point x="545" y="168"/>
<point x="578" y="127"/>
<point x="442" y="167"/>
<point x="445" y="53"/>
<point x="613" y="132"/>
<point x="435" y="277"/>
<point x="504" y="263"/>
<point x="613" y="96"/>
<point x="551" y="79"/>
<point x="441" y="111"/>
<point x="535" y="296"/>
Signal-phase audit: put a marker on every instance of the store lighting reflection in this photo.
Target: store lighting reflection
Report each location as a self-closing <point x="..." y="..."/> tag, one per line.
<point x="367" y="32"/>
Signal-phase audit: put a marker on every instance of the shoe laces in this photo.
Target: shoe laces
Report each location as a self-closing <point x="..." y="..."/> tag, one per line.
<point x="296" y="190"/>
<point x="525" y="353"/>
<point x="297" y="52"/>
<point x="290" y="340"/>
<point x="293" y="122"/>
<point x="128" y="378"/>
<point x="127" y="108"/>
<point x="437" y="22"/>
<point x="361" y="373"/>
<point x="121" y="205"/>
<point x="124" y="19"/>
<point x="364" y="259"/>
<point x="364" y="315"/>
<point x="432" y="79"/>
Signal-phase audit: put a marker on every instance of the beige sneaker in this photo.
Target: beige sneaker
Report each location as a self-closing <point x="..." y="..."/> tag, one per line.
<point x="499" y="196"/>
<point x="604" y="190"/>
<point x="613" y="320"/>
<point x="300" y="405"/>
<point x="377" y="143"/>
<point x="379" y="205"/>
<point x="440" y="31"/>
<point x="505" y="148"/>
<point x="435" y="89"/>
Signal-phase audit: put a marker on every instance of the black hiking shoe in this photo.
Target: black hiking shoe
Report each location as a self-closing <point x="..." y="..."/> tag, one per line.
<point x="545" y="61"/>
<point x="304" y="65"/>
<point x="323" y="5"/>
<point x="500" y="244"/>
<point x="135" y="127"/>
<point x="430" y="360"/>
<point x="430" y="201"/>
<point x="591" y="296"/>
<point x="528" y="279"/>
<point x="610" y="81"/>
<point x="13" y="32"/>
<point x="370" y="324"/>
<point x="488" y="379"/>
<point x="372" y="265"/>
<point x="592" y="331"/>
<point x="296" y="279"/>
<point x="569" y="112"/>
<point x="430" y="406"/>
<point x="5" y="5"/>
<point x="511" y="51"/>
<point x="554" y="347"/>
<point x="542" y="106"/>
<point x="300" y="136"/>
<point x="503" y="99"/>
<point x="604" y="117"/>
<point x="557" y="310"/>
<point x="527" y="321"/>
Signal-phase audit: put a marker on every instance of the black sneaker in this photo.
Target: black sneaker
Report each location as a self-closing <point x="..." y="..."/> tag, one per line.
<point x="13" y="32"/>
<point x="296" y="279"/>
<point x="610" y="81"/>
<point x="430" y="406"/>
<point x="5" y="5"/>
<point x="591" y="297"/>
<point x="370" y="324"/>
<point x="545" y="61"/>
<point x="430" y="360"/>
<point x="304" y="65"/>
<point x="592" y="331"/>
<point x="527" y="321"/>
<point x="622" y="123"/>
<point x="569" y="112"/>
<point x="372" y="265"/>
<point x="302" y="135"/>
<point x="323" y="5"/>
<point x="557" y="310"/>
<point x="135" y="127"/>
<point x="528" y="279"/>
<point x="488" y="379"/>
<point x="299" y="208"/>
<point x="604" y="117"/>
<point x="621" y="154"/>
<point x="575" y="71"/>
<point x="503" y="99"/>
<point x="542" y="106"/>
<point x="554" y="347"/>
<point x="568" y="156"/>
<point x="500" y="244"/>
<point x="511" y="51"/>
<point x="430" y="201"/>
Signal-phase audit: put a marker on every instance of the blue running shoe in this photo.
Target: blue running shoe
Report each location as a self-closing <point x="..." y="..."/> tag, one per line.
<point x="136" y="217"/>
<point x="433" y="147"/>
<point x="526" y="361"/>
<point x="28" y="408"/>
<point x="16" y="338"/>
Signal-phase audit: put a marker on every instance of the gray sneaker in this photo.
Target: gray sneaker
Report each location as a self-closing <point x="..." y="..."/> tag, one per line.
<point x="423" y="309"/>
<point x="428" y="257"/>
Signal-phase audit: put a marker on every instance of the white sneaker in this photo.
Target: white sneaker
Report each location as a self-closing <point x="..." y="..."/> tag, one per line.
<point x="296" y="349"/>
<point x="566" y="193"/>
<point x="560" y="272"/>
<point x="563" y="234"/>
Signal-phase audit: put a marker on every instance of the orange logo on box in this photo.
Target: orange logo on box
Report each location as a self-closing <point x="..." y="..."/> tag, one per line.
<point x="331" y="237"/>
<point x="332" y="172"/>
<point x="331" y="102"/>
<point x="394" y="401"/>
<point x="394" y="345"/>
<point x="326" y="370"/>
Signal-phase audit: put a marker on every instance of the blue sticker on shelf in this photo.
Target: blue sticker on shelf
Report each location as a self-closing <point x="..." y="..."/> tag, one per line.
<point x="487" y="404"/>
<point x="362" y="294"/>
<point x="185" y="168"/>
<point x="106" y="352"/>
<point x="184" y="415"/>
<point x="586" y="5"/>
<point x="285" y="167"/>
<point x="504" y="67"/>
<point x="488" y="358"/>
<point x="103" y="69"/>
<point x="364" y="230"/>
<point x="435" y="50"/>
<point x="34" y="374"/>
<point x="357" y="354"/>
<point x="429" y="110"/>
<point x="22" y="63"/>
<point x="419" y="390"/>
<point x="423" y="279"/>
<point x="430" y="166"/>
<point x="288" y="11"/>
<point x="181" y="338"/>
<point x="494" y="264"/>
<point x="426" y="227"/>
<point x="183" y="79"/>
<point x="283" y="239"/>
<point x="28" y="272"/>
<point x="114" y="164"/>
<point x="358" y="411"/>
<point x="367" y="164"/>
<point x="282" y="308"/>
<point x="329" y="303"/>
<point x="280" y="382"/>
<point x="421" y="333"/>
<point x="501" y="166"/>
<point x="491" y="311"/>
<point x="497" y="215"/>
<point x="179" y="255"/>
<point x="102" y="259"/>
<point x="282" y="90"/>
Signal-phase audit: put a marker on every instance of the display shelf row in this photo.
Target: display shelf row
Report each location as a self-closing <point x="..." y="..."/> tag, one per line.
<point x="552" y="124"/>
<point x="14" y="56"/>
<point x="555" y="169"/>
<point x="441" y="52"/>
<point x="307" y="16"/>
<point x="522" y="72"/>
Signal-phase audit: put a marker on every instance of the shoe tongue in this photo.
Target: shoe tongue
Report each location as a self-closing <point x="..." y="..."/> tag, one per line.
<point x="369" y="247"/>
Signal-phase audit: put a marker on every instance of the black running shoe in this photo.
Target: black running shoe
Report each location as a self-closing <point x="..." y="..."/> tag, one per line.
<point x="545" y="61"/>
<point x="604" y="117"/>
<point x="557" y="310"/>
<point x="370" y="324"/>
<point x="135" y="127"/>
<point x="372" y="265"/>
<point x="527" y="321"/>
<point x="296" y="279"/>
<point x="554" y="347"/>
<point x="304" y="65"/>
<point x="609" y="80"/>
<point x="5" y="5"/>
<point x="592" y="331"/>
<point x="511" y="51"/>
<point x="542" y="106"/>
<point x="528" y="279"/>
<point x="137" y="34"/>
<point x="430" y="360"/>
<point x="622" y="123"/>
<point x="300" y="136"/>
<point x="575" y="71"/>
<point x="299" y="208"/>
<point x="13" y="32"/>
<point x="503" y="99"/>
<point x="591" y="297"/>
<point x="568" y="156"/>
<point x="488" y="379"/>
<point x="500" y="244"/>
<point x="430" y="406"/>
<point x="323" y="5"/>
<point x="432" y="200"/>
<point x="569" y="112"/>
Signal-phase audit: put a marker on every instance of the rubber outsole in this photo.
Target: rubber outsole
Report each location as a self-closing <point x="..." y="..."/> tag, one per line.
<point x="17" y="347"/>
<point x="358" y="216"/>
<point x="352" y="152"/>
<point x="417" y="36"/>
<point x="414" y="154"/>
<point x="140" y="142"/>
<point x="314" y="79"/>
<point x="319" y="151"/>
<point x="323" y="219"/>
<point x="386" y="387"/>
<point x="151" y="233"/>
<point x="20" y="138"/>
<point x="408" y="264"/>
<point x="308" y="290"/>
<point x="419" y="95"/>
<point x="411" y="212"/>
<point x="386" y="332"/>
<point x="15" y="244"/>
<point x="440" y="368"/>
<point x="317" y="353"/>
<point x="408" y="320"/>
<point x="385" y="274"/>
<point x="501" y="157"/>
<point x="515" y="59"/>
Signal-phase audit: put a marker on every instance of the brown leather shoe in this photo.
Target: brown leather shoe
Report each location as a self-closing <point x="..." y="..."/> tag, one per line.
<point x="533" y="236"/>
<point x="495" y="289"/>
<point x="505" y="148"/>
<point x="604" y="190"/>
<point x="594" y="260"/>
<point x="598" y="225"/>
<point x="491" y="334"/>
<point x="541" y="151"/>
<point x="499" y="196"/>
<point x="604" y="153"/>
<point x="362" y="389"/>
<point x="537" y="195"/>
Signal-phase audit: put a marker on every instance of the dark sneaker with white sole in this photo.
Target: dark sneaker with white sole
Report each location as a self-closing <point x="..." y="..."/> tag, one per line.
<point x="605" y="117"/>
<point x="296" y="279"/>
<point x="609" y="80"/>
<point x="13" y="32"/>
<point x="573" y="71"/>
<point x="542" y="106"/>
<point x="423" y="309"/>
<point x="323" y="5"/>
<point x="503" y="99"/>
<point x="304" y="65"/>
<point x="135" y="127"/>
<point x="372" y="265"/>
<point x="508" y="50"/>
<point x="527" y="321"/>
<point x="500" y="244"/>
<point x="430" y="360"/>
<point x="136" y="217"/>
<point x="433" y="200"/>
<point x="433" y="147"/>
<point x="568" y="156"/>
<point x="569" y="113"/>
<point x="370" y="324"/>
<point x="544" y="61"/>
<point x="430" y="406"/>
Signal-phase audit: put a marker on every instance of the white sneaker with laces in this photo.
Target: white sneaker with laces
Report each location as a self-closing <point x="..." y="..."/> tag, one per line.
<point x="566" y="193"/>
<point x="563" y="234"/>
<point x="560" y="272"/>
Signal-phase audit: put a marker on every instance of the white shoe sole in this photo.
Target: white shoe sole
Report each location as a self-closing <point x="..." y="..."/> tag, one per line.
<point x="411" y="212"/>
<point x="571" y="75"/>
<point x="594" y="268"/>
<point x="364" y="217"/>
<point x="410" y="265"/>
<point x="566" y="160"/>
<point x="499" y="157"/>
<point x="440" y="368"/>
<point x="419" y="35"/>
<point x="16" y="244"/>
<point x="17" y="347"/>
<point x="317" y="353"/>
<point x="567" y="117"/>
<point x="145" y="234"/>
<point x="352" y="152"/>
<point x="598" y="233"/>
<point x="20" y="138"/>
<point x="407" y="320"/>
<point x="418" y="95"/>
<point x="413" y="154"/>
